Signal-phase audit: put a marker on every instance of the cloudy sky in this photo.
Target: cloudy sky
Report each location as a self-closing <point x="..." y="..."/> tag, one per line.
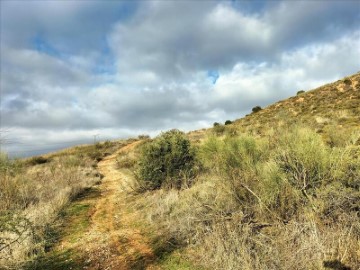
<point x="72" y="69"/>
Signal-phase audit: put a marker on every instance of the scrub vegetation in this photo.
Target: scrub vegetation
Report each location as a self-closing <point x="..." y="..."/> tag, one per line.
<point x="277" y="189"/>
<point x="285" y="200"/>
<point x="168" y="162"/>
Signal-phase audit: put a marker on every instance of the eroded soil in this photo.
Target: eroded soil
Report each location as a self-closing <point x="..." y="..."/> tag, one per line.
<point x="99" y="231"/>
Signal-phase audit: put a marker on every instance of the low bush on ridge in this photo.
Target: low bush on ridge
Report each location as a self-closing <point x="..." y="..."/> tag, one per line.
<point x="256" y="109"/>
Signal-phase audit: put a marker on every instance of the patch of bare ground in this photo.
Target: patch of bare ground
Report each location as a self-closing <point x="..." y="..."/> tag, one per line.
<point x="111" y="241"/>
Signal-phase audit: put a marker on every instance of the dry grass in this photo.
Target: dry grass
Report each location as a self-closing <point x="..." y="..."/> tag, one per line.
<point x="286" y="200"/>
<point x="278" y="189"/>
<point x="33" y="192"/>
<point x="336" y="104"/>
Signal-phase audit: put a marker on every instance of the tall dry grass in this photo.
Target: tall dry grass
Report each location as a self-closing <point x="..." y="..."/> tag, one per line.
<point x="32" y="193"/>
<point x="286" y="200"/>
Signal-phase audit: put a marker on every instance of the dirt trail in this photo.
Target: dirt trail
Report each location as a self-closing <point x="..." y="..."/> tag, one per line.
<point x="111" y="241"/>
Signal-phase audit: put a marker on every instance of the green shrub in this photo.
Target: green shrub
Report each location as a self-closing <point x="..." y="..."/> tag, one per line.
<point x="347" y="81"/>
<point x="300" y="92"/>
<point x="233" y="156"/>
<point x="277" y="193"/>
<point x="260" y="200"/>
<point x="228" y="122"/>
<point x="345" y="166"/>
<point x="216" y="124"/>
<point x="235" y="160"/>
<point x="38" y="160"/>
<point x="304" y="158"/>
<point x="256" y="109"/>
<point x="167" y="161"/>
<point x="143" y="137"/>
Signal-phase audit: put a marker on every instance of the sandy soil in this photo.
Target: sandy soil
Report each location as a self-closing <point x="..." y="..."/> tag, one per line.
<point x="112" y="241"/>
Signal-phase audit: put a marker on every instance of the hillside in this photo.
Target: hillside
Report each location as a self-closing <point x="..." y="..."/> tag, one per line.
<point x="332" y="106"/>
<point x="277" y="189"/>
<point x="335" y="104"/>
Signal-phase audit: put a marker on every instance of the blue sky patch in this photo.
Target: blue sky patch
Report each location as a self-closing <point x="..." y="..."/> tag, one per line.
<point x="41" y="45"/>
<point x="213" y="75"/>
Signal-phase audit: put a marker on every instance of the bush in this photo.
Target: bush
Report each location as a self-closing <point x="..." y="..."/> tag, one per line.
<point x="228" y="122"/>
<point x="304" y="158"/>
<point x="231" y="155"/>
<point x="300" y="92"/>
<point x="38" y="160"/>
<point x="256" y="109"/>
<point x="235" y="161"/>
<point x="258" y="201"/>
<point x="347" y="81"/>
<point x="167" y="161"/>
<point x="216" y="124"/>
<point x="143" y="137"/>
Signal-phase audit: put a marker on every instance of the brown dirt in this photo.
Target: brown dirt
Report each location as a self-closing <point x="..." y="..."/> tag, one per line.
<point x="112" y="241"/>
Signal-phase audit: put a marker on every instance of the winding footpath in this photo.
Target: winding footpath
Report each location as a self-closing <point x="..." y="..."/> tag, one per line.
<point x="112" y="241"/>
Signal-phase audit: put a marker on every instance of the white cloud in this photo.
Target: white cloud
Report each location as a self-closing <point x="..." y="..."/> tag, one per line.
<point x="241" y="32"/>
<point x="159" y="59"/>
<point x="327" y="60"/>
<point x="248" y="85"/>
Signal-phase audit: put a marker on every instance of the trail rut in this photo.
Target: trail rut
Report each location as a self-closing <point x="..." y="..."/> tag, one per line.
<point x="111" y="241"/>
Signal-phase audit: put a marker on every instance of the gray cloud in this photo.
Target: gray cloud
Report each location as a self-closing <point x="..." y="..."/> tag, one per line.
<point x="70" y="26"/>
<point x="153" y="74"/>
<point x="298" y="23"/>
<point x="217" y="36"/>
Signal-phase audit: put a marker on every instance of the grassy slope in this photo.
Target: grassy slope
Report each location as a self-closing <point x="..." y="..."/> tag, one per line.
<point x="332" y="106"/>
<point x="333" y="111"/>
<point x="335" y="104"/>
